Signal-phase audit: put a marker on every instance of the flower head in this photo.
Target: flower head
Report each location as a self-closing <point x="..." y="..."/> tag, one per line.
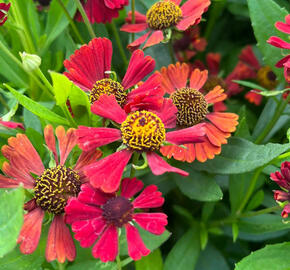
<point x="141" y="131"/>
<point x="4" y="8"/>
<point x="88" y="68"/>
<point x="102" y="11"/>
<point x="193" y="108"/>
<point x="96" y="218"/>
<point x="161" y="17"/>
<point x="283" y="180"/>
<point x="52" y="188"/>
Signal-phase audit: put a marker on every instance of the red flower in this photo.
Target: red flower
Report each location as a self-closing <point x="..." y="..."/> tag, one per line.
<point x="88" y="68"/>
<point x="280" y="43"/>
<point x="192" y="108"/>
<point x="141" y="132"/>
<point x="101" y="11"/>
<point x="283" y="180"/>
<point x="52" y="188"/>
<point x="10" y="124"/>
<point x="161" y="17"/>
<point x="96" y="218"/>
<point x="3" y="12"/>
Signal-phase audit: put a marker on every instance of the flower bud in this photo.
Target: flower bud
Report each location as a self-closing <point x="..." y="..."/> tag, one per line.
<point x="30" y="61"/>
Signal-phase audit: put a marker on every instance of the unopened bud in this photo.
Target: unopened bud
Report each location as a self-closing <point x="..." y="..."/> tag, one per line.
<point x="30" y="61"/>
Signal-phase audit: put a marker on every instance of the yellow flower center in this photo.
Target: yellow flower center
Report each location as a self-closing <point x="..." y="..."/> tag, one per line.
<point x="143" y="131"/>
<point x="191" y="106"/>
<point x="109" y="87"/>
<point x="266" y="78"/>
<point x="54" y="187"/>
<point x="163" y="15"/>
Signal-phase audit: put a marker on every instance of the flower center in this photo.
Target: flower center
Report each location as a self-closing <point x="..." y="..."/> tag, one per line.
<point x="143" y="131"/>
<point x="118" y="211"/>
<point x="266" y="78"/>
<point x="163" y="15"/>
<point x="191" y="106"/>
<point x="109" y="87"/>
<point x="54" y="187"/>
<point x="212" y="82"/>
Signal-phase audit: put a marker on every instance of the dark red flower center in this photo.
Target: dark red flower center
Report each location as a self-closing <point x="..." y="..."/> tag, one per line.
<point x="143" y="131"/>
<point x="266" y="78"/>
<point x="109" y="87"/>
<point x="212" y="82"/>
<point x="191" y="106"/>
<point x="54" y="187"/>
<point x="163" y="14"/>
<point x="118" y="211"/>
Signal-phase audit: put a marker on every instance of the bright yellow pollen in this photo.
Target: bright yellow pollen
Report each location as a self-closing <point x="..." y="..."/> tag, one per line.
<point x="266" y="78"/>
<point x="143" y="131"/>
<point x="191" y="106"/>
<point x="109" y="87"/>
<point x="163" y="15"/>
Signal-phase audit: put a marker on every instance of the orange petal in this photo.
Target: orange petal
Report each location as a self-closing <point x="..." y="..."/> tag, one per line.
<point x="216" y="136"/>
<point x="198" y="78"/>
<point x="210" y="149"/>
<point x="174" y="151"/>
<point x="50" y="141"/>
<point x="200" y="152"/>
<point x="215" y="95"/>
<point x="226" y="122"/>
<point x="190" y="153"/>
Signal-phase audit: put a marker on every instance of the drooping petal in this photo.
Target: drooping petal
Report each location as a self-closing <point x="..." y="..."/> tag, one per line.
<point x="159" y="166"/>
<point x="215" y="135"/>
<point x="213" y="63"/>
<point x="139" y="67"/>
<point x="177" y="152"/>
<point x="88" y="64"/>
<point x="215" y="95"/>
<point x="108" y="107"/>
<point x="50" y="141"/>
<point x="106" y="174"/>
<point x="247" y="55"/>
<point x="60" y="245"/>
<point x="198" y="78"/>
<point x="154" y="39"/>
<point x="90" y="138"/>
<point x="150" y="197"/>
<point x="6" y="182"/>
<point x="136" y="247"/>
<point x="106" y="249"/>
<point x="136" y="44"/>
<point x="130" y="186"/>
<point x="279" y="43"/>
<point x="226" y="122"/>
<point x="253" y="97"/>
<point x="167" y="113"/>
<point x="139" y="17"/>
<point x="30" y="232"/>
<point x="10" y="124"/>
<point x="192" y="134"/>
<point x="284" y="27"/>
<point x="134" y="28"/>
<point x="151" y="222"/>
<point x="66" y="142"/>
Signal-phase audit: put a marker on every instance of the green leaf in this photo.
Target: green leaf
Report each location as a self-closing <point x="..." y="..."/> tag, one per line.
<point x="264" y="14"/>
<point x="152" y="261"/>
<point x="271" y="257"/>
<point x="203" y="236"/>
<point x="250" y="85"/>
<point x="256" y="200"/>
<point x="37" y="109"/>
<point x="240" y="156"/>
<point x="235" y="231"/>
<point x="11" y="213"/>
<point x="93" y="265"/>
<point x="271" y="93"/>
<point x="199" y="186"/>
<point x="184" y="254"/>
<point x="243" y="127"/>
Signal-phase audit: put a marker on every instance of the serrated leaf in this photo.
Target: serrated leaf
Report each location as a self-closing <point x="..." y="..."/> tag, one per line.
<point x="271" y="257"/>
<point x="11" y="213"/>
<point x="37" y="109"/>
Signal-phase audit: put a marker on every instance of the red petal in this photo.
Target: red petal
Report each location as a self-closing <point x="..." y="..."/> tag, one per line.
<point x="135" y="44"/>
<point x="247" y="55"/>
<point x="136" y="247"/>
<point x="158" y="166"/>
<point x="151" y="222"/>
<point x="154" y="39"/>
<point x="130" y="186"/>
<point x="106" y="174"/>
<point x="134" y="28"/>
<point x="10" y="124"/>
<point x="6" y="182"/>
<point x="108" y="107"/>
<point x="150" y="197"/>
<point x="253" y="97"/>
<point x="198" y="78"/>
<point x="60" y="244"/>
<point x="215" y="95"/>
<point x="167" y="113"/>
<point x="106" y="249"/>
<point x="278" y="42"/>
<point x="50" y="141"/>
<point x="30" y="231"/>
<point x="213" y="63"/>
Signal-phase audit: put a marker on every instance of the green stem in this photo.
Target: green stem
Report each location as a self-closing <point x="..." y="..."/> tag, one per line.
<point x="75" y="29"/>
<point x="134" y="161"/>
<point x="3" y="102"/>
<point x="61" y="266"/>
<point x="119" y="266"/>
<point x="69" y="116"/>
<point x="45" y="81"/>
<point x="279" y="111"/>
<point x="85" y="18"/>
<point x="133" y="16"/>
<point x="119" y="43"/>
<point x="250" y="190"/>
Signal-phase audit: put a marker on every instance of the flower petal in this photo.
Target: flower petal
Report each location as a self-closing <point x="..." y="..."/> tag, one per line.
<point x="247" y="55"/>
<point x="226" y="122"/>
<point x="151" y="222"/>
<point x="134" y="28"/>
<point x="198" y="78"/>
<point x="167" y="113"/>
<point x="154" y="39"/>
<point x="215" y="95"/>
<point x="150" y="197"/>
<point x="279" y="43"/>
<point x="136" y="44"/>
<point x="130" y="186"/>
<point x="254" y="98"/>
<point x="50" y="141"/>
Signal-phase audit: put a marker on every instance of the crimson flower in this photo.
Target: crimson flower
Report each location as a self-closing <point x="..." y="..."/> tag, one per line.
<point x="88" y="68"/>
<point x="162" y="16"/>
<point x="140" y="132"/>
<point x="280" y="43"/>
<point x="10" y="124"/>
<point x="192" y="108"/>
<point x="101" y="11"/>
<point x="96" y="218"/>
<point x="283" y="180"/>
<point x="52" y="188"/>
<point x="4" y="8"/>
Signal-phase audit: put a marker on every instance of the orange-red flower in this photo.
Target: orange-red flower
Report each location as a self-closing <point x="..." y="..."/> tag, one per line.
<point x="193" y="108"/>
<point x="52" y="188"/>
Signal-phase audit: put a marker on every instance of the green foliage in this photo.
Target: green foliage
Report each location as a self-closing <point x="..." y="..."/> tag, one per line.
<point x="152" y="261"/>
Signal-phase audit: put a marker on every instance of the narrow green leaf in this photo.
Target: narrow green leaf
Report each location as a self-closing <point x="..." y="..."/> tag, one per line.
<point x="11" y="213"/>
<point x="235" y="231"/>
<point x="152" y="261"/>
<point x="203" y="236"/>
<point x="256" y="200"/>
<point x="36" y="108"/>
<point x="271" y="93"/>
<point x="250" y="85"/>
